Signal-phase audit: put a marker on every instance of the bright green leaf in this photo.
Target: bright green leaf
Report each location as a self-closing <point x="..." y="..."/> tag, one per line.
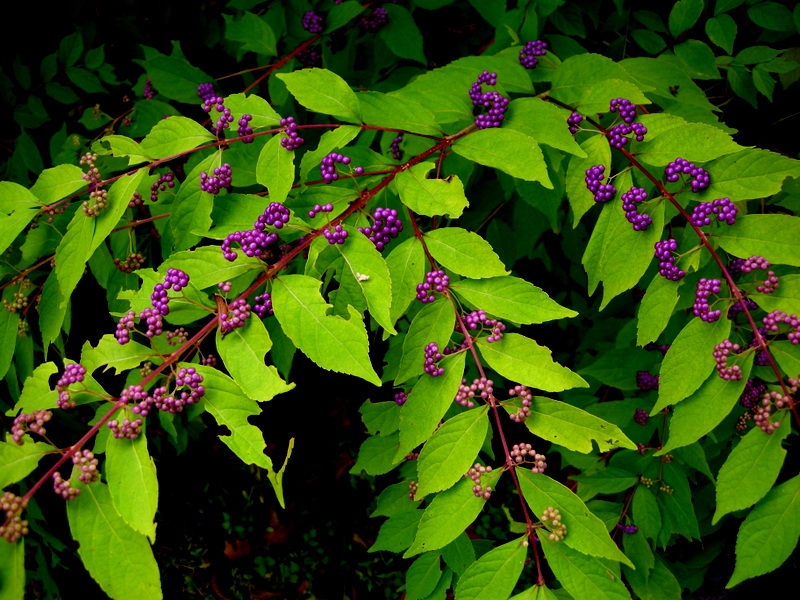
<point x="753" y="235"/>
<point x="508" y="150"/>
<point x="275" y="169"/>
<point x="582" y="576"/>
<point x="494" y="575"/>
<point x="132" y="482"/>
<point x="323" y="91"/>
<point x="57" y="183"/>
<point x="464" y="252"/>
<point x="174" y="136"/>
<point x="431" y="197"/>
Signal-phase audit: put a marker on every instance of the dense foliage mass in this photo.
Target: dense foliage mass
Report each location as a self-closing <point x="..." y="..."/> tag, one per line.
<point x="563" y="290"/>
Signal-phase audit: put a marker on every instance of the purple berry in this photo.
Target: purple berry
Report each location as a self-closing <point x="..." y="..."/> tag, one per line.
<point x="529" y="53"/>
<point x="700" y="178"/>
<point x="602" y="192"/>
<point x="432" y="355"/>
<point x="385" y="226"/>
<point x="335" y="235"/>
<point x="706" y="287"/>
<point x="312" y="22"/>
<point x="293" y="141"/>
<point x="435" y="281"/>
<point x="629" y="200"/>
<point x="666" y="266"/>
<point x="573" y="121"/>
<point x="375" y="21"/>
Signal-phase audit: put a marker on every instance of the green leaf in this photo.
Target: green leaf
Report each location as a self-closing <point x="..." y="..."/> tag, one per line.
<point x="464" y="252"/>
<point x="57" y="183"/>
<point x="207" y="266"/>
<point x="598" y="152"/>
<point x="769" y="534"/>
<point x="678" y="505"/>
<point x="72" y="254"/>
<point x="132" y="482"/>
<point x="520" y="359"/>
<point x="394" y="500"/>
<point x="508" y="150"/>
<point x="342" y="14"/>
<point x="571" y="427"/>
<point x="370" y="273"/>
<point x="229" y="406"/>
<point x="323" y="91"/>
<point x="385" y="110"/>
<point x="406" y="264"/>
<point x="494" y="575"/>
<point x="330" y="140"/>
<point x="582" y="576"/>
<point x="433" y="323"/>
<point x="253" y="32"/>
<point x="175" y="135"/>
<point x="116" y="556"/>
<point x="264" y="116"/>
<point x="15" y="198"/>
<point x="9" y="326"/>
<point x="398" y="532"/>
<point x="772" y="15"/>
<point x="543" y="122"/>
<point x="402" y="35"/>
<point x="646" y="514"/>
<point x="763" y="81"/>
<point x="684" y="15"/>
<point x="579" y="75"/>
<point x="704" y="409"/>
<point x="191" y="208"/>
<point x="751" y="469"/>
<point x="173" y="76"/>
<point x="510" y="298"/>
<point x="671" y="136"/>
<point x="121" y="146"/>
<point x="606" y="481"/>
<point x="649" y="40"/>
<point x="380" y="417"/>
<point x="84" y="80"/>
<point x="755" y="235"/>
<point x="658" y="584"/>
<point x="242" y="350"/>
<point x="332" y="342"/>
<point x="448" y="515"/>
<point x="12" y="570"/>
<point x="655" y="309"/>
<point x="275" y="169"/>
<point x="586" y="533"/>
<point x="377" y="455"/>
<point x="17" y="462"/>
<point x="427" y="403"/>
<point x="451" y="451"/>
<point x="423" y="575"/>
<point x="459" y="554"/>
<point x="689" y="361"/>
<point x="751" y="173"/>
<point x="70" y="49"/>
<point x="698" y="58"/>
<point x="431" y="197"/>
<point x="618" y="255"/>
<point x="112" y="355"/>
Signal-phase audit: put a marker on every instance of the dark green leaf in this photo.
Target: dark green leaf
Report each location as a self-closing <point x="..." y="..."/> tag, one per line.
<point x="771" y="15"/>
<point x="684" y="15"/>
<point x="253" y="32"/>
<point x="646" y="515"/>
<point x="722" y="31"/>
<point x="582" y="576"/>
<point x="402" y="35"/>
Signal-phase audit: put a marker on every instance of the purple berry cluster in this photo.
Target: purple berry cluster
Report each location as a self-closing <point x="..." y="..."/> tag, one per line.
<point x="495" y="104"/>
<point x="327" y="167"/>
<point x="551" y="517"/>
<point x="133" y="261"/>
<point x="721" y="352"/>
<point x="573" y="121"/>
<point x="770" y="284"/>
<point x="603" y="192"/>
<point x="736" y="308"/>
<point x="149" y="91"/>
<point x="213" y="183"/>
<point x="478" y="318"/>
<point x="640" y="416"/>
<point x="73" y="373"/>
<point x="33" y="422"/>
<point x="225" y="118"/>
<point x="14" y="527"/>
<point x="313" y="22"/>
<point x="179" y="336"/>
<point x="326" y="208"/>
<point x="752" y="392"/>
<point x="525" y="395"/>
<point x="124" y="327"/>
<point x="98" y="197"/>
<point x="630" y="199"/>
<point x="262" y="305"/>
<point x="386" y="225"/>
<point x="776" y="317"/>
<point x="480" y="491"/>
<point x="309" y="57"/>
<point x="375" y="21"/>
<point x="293" y="141"/>
<point x="245" y="131"/>
<point x="618" y="133"/>
<point x="699" y="177"/>
<point x="63" y="487"/>
<point x="480" y="386"/>
<point x="770" y="401"/>
<point x="413" y="486"/>
<point x="125" y="429"/>
<point x="176" y="280"/>
<point x="519" y="452"/>
<point x="394" y="148"/>
<point x="254" y="242"/>
<point x="335" y="235"/>
<point x="432" y="355"/>
<point x="627" y="528"/>
<point x="529" y="53"/>
<point x="206" y="92"/>
<point x="722" y="207"/>
<point x="87" y="465"/>
<point x="167" y="180"/>
<point x="400" y="398"/>
<point x="435" y="281"/>
<point x="174" y="403"/>
<point x="706" y="287"/>
<point x="238" y="312"/>
<point x="666" y="264"/>
<point x="646" y="381"/>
